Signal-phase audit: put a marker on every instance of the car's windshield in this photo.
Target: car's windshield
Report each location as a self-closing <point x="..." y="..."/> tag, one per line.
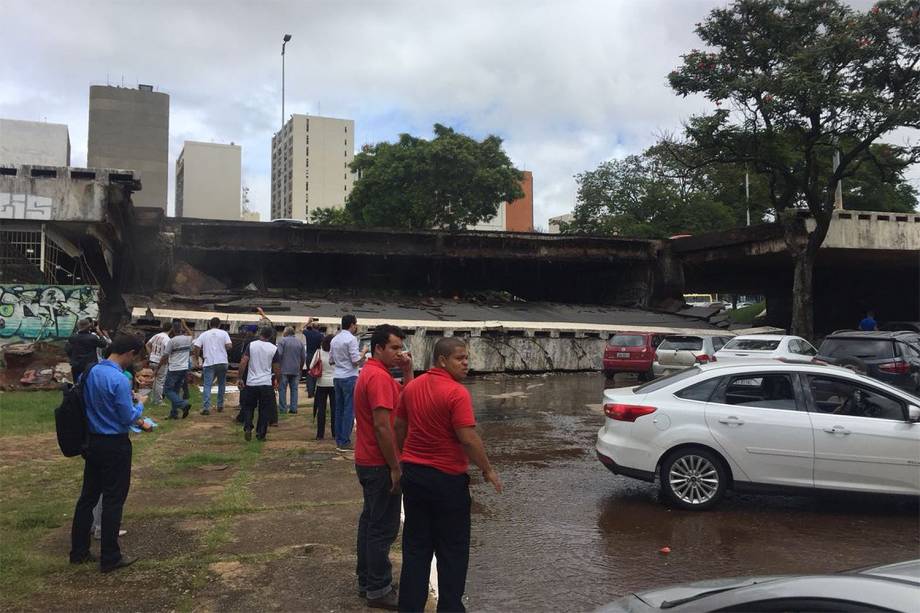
<point x="751" y="344"/>
<point x="857" y="347"/>
<point x="627" y="340"/>
<point x="657" y="384"/>
<point x="682" y="343"/>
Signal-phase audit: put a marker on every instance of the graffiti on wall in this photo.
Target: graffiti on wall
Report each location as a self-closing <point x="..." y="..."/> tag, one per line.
<point x="42" y="312"/>
<point x="24" y="206"/>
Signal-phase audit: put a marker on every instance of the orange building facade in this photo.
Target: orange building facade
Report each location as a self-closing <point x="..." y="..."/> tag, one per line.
<point x="519" y="214"/>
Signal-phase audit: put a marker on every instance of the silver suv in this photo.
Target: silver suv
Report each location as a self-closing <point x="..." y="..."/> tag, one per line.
<point x="677" y="352"/>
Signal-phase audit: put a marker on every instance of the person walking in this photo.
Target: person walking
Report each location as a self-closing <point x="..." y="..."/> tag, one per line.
<point x="257" y="386"/>
<point x="377" y="464"/>
<point x="313" y="338"/>
<point x="436" y="435"/>
<point x="111" y="409"/>
<point x="345" y="359"/>
<point x="291" y="357"/>
<point x="81" y="347"/>
<point x="176" y="358"/>
<point x="324" y="390"/>
<point x="212" y="345"/>
<point x="155" y="347"/>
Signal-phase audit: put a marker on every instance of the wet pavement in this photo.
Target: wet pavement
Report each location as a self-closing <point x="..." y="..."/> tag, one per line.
<point x="569" y="535"/>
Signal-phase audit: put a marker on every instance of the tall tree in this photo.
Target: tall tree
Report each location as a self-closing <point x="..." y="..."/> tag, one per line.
<point x="450" y="182"/>
<point x="801" y="79"/>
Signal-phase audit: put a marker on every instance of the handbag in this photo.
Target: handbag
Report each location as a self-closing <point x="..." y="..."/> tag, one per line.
<point x="316" y="371"/>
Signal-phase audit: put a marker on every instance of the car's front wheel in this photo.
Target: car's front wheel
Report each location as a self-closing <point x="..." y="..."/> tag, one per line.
<point x="693" y="478"/>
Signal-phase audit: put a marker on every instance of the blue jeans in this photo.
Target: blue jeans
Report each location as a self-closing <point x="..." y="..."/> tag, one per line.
<point x="288" y="381"/>
<point x="173" y="387"/>
<point x="209" y="372"/>
<point x="344" y="409"/>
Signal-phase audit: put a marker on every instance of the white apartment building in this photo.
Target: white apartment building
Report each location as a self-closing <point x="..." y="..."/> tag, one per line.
<point x="310" y="159"/>
<point x="34" y="142"/>
<point x="208" y="180"/>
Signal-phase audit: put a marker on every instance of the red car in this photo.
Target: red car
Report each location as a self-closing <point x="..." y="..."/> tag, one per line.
<point x="631" y="352"/>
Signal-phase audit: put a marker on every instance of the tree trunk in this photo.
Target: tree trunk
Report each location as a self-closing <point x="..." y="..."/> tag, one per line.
<point x="803" y="312"/>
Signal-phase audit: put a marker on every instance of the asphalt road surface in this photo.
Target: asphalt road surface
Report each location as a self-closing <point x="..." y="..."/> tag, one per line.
<point x="569" y="535"/>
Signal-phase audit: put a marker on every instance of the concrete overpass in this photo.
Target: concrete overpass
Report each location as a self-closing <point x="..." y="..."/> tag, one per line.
<point x="868" y="261"/>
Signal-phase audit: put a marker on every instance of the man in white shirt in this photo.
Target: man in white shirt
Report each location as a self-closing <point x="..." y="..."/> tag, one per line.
<point x="346" y="358"/>
<point x="257" y="387"/>
<point x="155" y="348"/>
<point x="178" y="351"/>
<point x="213" y="346"/>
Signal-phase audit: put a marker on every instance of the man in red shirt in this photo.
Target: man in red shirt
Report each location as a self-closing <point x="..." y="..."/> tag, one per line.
<point x="377" y="464"/>
<point x="436" y="434"/>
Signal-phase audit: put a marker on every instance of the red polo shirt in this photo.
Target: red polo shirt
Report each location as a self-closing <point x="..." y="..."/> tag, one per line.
<point x="375" y="389"/>
<point x="434" y="405"/>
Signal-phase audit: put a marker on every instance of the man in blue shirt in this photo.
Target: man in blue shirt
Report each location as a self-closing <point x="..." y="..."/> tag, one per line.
<point x="111" y="409"/>
<point x="869" y="324"/>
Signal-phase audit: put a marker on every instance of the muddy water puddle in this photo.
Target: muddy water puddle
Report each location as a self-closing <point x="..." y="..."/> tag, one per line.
<point x="569" y="535"/>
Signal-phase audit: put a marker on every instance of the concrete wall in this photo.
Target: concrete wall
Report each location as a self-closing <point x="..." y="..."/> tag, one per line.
<point x="869" y="230"/>
<point x="34" y="142"/>
<point x="208" y="179"/>
<point x="554" y="224"/>
<point x="68" y="194"/>
<point x="44" y="312"/>
<point x="129" y="128"/>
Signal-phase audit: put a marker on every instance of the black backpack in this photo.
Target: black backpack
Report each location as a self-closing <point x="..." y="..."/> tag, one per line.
<point x="70" y="418"/>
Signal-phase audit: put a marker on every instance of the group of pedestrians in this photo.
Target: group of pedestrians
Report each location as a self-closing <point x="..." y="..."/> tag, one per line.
<point x="414" y="442"/>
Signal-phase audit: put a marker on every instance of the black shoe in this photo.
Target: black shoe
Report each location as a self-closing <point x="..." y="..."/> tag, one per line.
<point x="293" y="412"/>
<point x="389" y="601"/>
<point x="173" y="417"/>
<point x="362" y="593"/>
<point x="248" y="435"/>
<point x="122" y="563"/>
<point x="185" y="410"/>
<point x="260" y="437"/>
<point x="84" y="559"/>
<point x="203" y="412"/>
<point x="220" y="409"/>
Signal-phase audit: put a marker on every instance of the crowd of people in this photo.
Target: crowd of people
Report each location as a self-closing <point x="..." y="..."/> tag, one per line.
<point x="414" y="437"/>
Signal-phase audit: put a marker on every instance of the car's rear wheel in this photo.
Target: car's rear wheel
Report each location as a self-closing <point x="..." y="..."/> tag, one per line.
<point x="693" y="478"/>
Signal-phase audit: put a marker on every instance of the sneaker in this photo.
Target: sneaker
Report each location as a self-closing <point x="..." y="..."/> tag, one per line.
<point x="345" y="448"/>
<point x="248" y="435"/>
<point x="122" y="563"/>
<point x="389" y="601"/>
<point x="293" y="412"/>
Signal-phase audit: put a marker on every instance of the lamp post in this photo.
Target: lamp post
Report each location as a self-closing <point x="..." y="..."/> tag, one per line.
<point x="284" y="41"/>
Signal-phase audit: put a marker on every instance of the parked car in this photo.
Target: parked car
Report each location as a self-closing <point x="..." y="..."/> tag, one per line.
<point x="892" y="587"/>
<point x="678" y="352"/>
<point x="892" y="357"/>
<point x="766" y="346"/>
<point x="907" y="326"/>
<point x="631" y="352"/>
<point x="762" y="426"/>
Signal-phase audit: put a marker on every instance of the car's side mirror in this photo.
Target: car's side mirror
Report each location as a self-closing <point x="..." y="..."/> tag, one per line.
<point x="913" y="413"/>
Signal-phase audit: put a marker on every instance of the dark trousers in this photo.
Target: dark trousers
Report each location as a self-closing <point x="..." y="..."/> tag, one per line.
<point x="319" y="410"/>
<point x="377" y="529"/>
<point x="437" y="522"/>
<point x="262" y="396"/>
<point x="311" y="386"/>
<point x="106" y="471"/>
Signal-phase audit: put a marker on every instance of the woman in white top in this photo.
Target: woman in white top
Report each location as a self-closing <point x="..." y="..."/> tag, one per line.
<point x="324" y="390"/>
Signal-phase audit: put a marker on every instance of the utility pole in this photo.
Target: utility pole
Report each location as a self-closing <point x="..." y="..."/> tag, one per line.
<point x="838" y="193"/>
<point x="284" y="41"/>
<point x="747" y="194"/>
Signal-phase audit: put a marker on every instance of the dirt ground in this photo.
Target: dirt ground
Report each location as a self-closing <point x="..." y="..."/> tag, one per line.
<point x="254" y="527"/>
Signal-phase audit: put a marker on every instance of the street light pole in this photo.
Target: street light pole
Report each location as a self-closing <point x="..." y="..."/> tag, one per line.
<point x="284" y="41"/>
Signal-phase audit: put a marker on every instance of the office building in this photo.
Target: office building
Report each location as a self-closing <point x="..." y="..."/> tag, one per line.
<point x="310" y="159"/>
<point x="34" y="143"/>
<point x="555" y="224"/>
<point x="129" y="128"/>
<point x="515" y="216"/>
<point x="208" y="179"/>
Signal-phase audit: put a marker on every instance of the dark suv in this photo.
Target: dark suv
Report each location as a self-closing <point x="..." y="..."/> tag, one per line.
<point x="892" y="357"/>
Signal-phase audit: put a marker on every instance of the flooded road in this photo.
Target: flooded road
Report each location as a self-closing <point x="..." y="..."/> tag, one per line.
<point x="569" y="535"/>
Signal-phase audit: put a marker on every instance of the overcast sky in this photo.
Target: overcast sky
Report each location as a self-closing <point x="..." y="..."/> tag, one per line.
<point x="566" y="84"/>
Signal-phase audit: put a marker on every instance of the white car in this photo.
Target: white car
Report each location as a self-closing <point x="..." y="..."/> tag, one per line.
<point x="766" y="346"/>
<point x="762" y="426"/>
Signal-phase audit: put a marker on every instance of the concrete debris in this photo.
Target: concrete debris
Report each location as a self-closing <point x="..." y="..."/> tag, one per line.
<point x="189" y="281"/>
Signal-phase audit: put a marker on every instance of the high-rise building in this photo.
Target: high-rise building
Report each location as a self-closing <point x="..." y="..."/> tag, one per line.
<point x="514" y="216"/>
<point x="310" y="159"/>
<point x="129" y="128"/>
<point x="34" y="142"/>
<point x="208" y="179"/>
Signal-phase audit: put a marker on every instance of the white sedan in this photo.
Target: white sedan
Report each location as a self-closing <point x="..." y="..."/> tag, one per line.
<point x="766" y="346"/>
<point x="765" y="425"/>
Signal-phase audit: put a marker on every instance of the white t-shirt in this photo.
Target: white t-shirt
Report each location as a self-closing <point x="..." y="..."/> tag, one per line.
<point x="157" y="346"/>
<point x="178" y="349"/>
<point x="262" y="355"/>
<point x="213" y="344"/>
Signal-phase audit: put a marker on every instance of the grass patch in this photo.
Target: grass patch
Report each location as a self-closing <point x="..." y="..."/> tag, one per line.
<point x="204" y="459"/>
<point x="28" y="412"/>
<point x="746" y="315"/>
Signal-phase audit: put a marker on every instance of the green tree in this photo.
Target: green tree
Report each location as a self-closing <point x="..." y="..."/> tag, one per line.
<point x="878" y="184"/>
<point x="450" y="182"/>
<point x="799" y="80"/>
<point x="331" y="217"/>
